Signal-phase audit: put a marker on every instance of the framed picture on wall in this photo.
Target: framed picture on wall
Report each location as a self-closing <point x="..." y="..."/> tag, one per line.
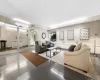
<point x="70" y="34"/>
<point x="84" y="34"/>
<point x="52" y="36"/>
<point x="61" y="35"/>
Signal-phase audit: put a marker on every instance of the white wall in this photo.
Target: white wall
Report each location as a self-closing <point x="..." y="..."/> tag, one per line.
<point x="10" y="35"/>
<point x="39" y="34"/>
<point x="94" y="29"/>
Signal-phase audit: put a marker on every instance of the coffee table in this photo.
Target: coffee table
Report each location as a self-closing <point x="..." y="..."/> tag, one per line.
<point x="58" y="50"/>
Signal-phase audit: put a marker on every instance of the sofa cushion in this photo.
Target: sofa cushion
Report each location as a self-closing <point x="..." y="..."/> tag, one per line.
<point x="43" y="44"/>
<point x="78" y="47"/>
<point x="71" y="48"/>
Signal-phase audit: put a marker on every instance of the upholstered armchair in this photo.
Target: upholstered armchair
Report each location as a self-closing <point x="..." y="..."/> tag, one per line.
<point x="39" y="48"/>
<point x="78" y="59"/>
<point x="42" y="47"/>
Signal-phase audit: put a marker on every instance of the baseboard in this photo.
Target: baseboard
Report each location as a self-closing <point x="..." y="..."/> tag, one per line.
<point x="25" y="46"/>
<point x="95" y="53"/>
<point x="64" y="49"/>
<point x="8" y="47"/>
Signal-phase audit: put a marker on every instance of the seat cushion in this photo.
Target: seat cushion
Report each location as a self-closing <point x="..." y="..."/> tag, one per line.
<point x="71" y="48"/>
<point x="78" y="47"/>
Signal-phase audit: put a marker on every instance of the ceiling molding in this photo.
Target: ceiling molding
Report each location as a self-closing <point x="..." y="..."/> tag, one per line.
<point x="88" y="19"/>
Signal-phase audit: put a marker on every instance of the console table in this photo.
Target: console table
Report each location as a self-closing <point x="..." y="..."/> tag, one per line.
<point x="3" y="45"/>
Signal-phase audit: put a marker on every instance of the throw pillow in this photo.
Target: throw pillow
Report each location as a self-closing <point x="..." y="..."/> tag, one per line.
<point x="78" y="47"/>
<point x="71" y="48"/>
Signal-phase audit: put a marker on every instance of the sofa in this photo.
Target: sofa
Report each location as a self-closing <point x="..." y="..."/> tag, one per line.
<point x="79" y="58"/>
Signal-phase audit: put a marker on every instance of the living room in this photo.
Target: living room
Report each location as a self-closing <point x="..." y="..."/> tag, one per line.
<point x="49" y="40"/>
<point x="59" y="40"/>
<point x="63" y="37"/>
<point x="94" y="34"/>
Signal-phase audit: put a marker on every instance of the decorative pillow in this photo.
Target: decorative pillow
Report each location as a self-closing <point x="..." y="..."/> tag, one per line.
<point x="43" y="44"/>
<point x="71" y="48"/>
<point x="78" y="47"/>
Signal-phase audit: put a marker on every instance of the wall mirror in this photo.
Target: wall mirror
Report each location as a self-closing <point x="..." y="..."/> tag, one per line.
<point x="43" y="35"/>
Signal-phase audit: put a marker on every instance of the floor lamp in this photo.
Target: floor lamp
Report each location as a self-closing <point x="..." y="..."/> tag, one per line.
<point x="95" y="45"/>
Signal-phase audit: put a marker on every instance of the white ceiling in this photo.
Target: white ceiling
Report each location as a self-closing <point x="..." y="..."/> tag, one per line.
<point x="49" y="12"/>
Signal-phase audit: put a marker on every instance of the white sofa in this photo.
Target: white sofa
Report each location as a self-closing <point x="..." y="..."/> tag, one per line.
<point x="78" y="59"/>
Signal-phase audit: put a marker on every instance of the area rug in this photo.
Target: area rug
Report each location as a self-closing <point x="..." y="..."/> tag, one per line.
<point x="34" y="58"/>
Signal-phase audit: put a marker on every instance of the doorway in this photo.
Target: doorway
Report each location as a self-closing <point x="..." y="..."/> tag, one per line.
<point x="8" y="34"/>
<point x="16" y="38"/>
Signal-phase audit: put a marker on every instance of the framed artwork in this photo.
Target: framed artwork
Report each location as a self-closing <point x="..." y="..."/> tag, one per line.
<point x="70" y="34"/>
<point x="84" y="34"/>
<point x="52" y="36"/>
<point x="61" y="35"/>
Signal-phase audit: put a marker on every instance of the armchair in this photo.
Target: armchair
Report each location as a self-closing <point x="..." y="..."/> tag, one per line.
<point x="39" y="48"/>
